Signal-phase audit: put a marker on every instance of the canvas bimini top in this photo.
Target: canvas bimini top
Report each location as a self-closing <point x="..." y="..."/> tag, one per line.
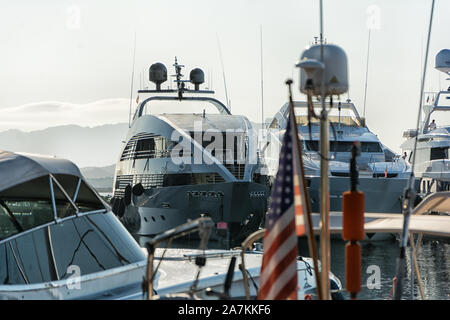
<point x="16" y="168"/>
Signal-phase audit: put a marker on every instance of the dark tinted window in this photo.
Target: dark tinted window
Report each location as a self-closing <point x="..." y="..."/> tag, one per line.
<point x="92" y="242"/>
<point x="144" y="146"/>
<point x="176" y="179"/>
<point x="86" y="199"/>
<point x="439" y="153"/>
<point x="9" y="271"/>
<point x="312" y="145"/>
<point x="29" y="204"/>
<point x="27" y="213"/>
<point x="341" y="146"/>
<point x="371" y="147"/>
<point x="344" y="146"/>
<point x="389" y="155"/>
<point x="33" y="262"/>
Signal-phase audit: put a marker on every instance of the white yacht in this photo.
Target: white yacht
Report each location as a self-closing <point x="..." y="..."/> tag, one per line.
<point x="383" y="175"/>
<point x="179" y="166"/>
<point x="432" y="158"/>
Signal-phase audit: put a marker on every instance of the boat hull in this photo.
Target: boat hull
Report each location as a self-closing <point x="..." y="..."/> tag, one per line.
<point x="382" y="195"/>
<point x="237" y="208"/>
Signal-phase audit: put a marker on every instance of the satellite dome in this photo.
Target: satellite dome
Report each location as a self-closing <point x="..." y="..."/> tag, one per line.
<point x="158" y="74"/>
<point x="443" y="61"/>
<point x="334" y="68"/>
<point x="197" y="77"/>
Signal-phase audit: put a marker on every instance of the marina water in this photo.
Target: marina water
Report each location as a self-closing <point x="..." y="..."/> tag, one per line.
<point x="433" y="259"/>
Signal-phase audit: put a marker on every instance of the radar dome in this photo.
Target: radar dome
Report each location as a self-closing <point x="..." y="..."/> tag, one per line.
<point x="158" y="74"/>
<point x="333" y="66"/>
<point x="443" y="61"/>
<point x="197" y="77"/>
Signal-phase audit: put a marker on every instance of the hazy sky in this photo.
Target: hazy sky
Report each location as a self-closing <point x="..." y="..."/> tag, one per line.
<point x="61" y="56"/>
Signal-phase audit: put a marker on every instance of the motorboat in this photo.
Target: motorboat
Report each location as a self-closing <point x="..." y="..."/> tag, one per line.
<point x="208" y="274"/>
<point x="383" y="175"/>
<point x="58" y="238"/>
<point x="432" y="159"/>
<point x="179" y="166"/>
<point x="210" y="284"/>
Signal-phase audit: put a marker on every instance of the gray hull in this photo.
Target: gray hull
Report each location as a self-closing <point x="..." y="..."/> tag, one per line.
<point x="241" y="205"/>
<point x="382" y="195"/>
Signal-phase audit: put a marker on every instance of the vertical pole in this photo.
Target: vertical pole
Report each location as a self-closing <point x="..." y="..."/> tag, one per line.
<point x="412" y="267"/>
<point x="367" y="75"/>
<point x="324" y="206"/>
<point x="416" y="265"/>
<point x="262" y="79"/>
<point x="132" y="80"/>
<point x="324" y="181"/>
<point x="409" y="191"/>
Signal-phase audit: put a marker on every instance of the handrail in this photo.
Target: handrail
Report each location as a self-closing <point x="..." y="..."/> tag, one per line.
<point x="204" y="225"/>
<point x="247" y="244"/>
<point x="219" y="105"/>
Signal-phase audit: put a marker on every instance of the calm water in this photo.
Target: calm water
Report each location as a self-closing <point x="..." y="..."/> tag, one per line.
<point x="433" y="259"/>
<point x="434" y="265"/>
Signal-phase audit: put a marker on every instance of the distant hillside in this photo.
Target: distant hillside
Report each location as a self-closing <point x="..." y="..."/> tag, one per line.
<point x="101" y="178"/>
<point x="85" y="146"/>
<point x="98" y="172"/>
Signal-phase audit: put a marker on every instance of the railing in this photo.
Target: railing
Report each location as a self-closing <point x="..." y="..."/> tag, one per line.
<point x="203" y="225"/>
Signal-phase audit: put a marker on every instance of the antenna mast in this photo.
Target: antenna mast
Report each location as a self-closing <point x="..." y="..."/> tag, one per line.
<point x="409" y="195"/>
<point x="223" y="73"/>
<point x="262" y="79"/>
<point x="132" y="80"/>
<point x="367" y="75"/>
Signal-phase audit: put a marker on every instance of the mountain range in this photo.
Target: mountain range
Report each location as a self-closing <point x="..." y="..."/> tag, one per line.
<point x="85" y="146"/>
<point x="94" y="150"/>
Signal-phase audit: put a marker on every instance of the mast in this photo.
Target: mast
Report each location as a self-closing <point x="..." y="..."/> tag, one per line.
<point x="324" y="181"/>
<point x="262" y="79"/>
<point x="367" y="75"/>
<point x="132" y="80"/>
<point x="409" y="195"/>
<point x="223" y="74"/>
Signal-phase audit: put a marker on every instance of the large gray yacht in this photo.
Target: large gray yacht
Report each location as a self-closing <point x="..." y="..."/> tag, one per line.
<point x="179" y="166"/>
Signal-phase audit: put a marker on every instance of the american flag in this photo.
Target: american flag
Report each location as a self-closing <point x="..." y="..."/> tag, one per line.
<point x="278" y="278"/>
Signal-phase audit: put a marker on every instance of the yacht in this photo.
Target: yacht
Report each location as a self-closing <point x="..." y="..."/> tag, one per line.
<point x="207" y="274"/>
<point x="58" y="238"/>
<point x="433" y="141"/>
<point x="383" y="175"/>
<point x="179" y="166"/>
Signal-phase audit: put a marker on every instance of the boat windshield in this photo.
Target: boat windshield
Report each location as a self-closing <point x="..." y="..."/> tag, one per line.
<point x="185" y="107"/>
<point x="345" y="116"/>
<point x="30" y="204"/>
<point x="344" y="146"/>
<point x="84" y="245"/>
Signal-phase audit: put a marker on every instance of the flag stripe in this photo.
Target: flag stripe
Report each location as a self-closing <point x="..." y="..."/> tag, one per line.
<point x="287" y="293"/>
<point x="283" y="268"/>
<point x="282" y="222"/>
<point x="273" y="257"/>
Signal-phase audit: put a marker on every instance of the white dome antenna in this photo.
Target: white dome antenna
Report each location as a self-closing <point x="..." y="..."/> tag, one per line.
<point x="443" y="61"/>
